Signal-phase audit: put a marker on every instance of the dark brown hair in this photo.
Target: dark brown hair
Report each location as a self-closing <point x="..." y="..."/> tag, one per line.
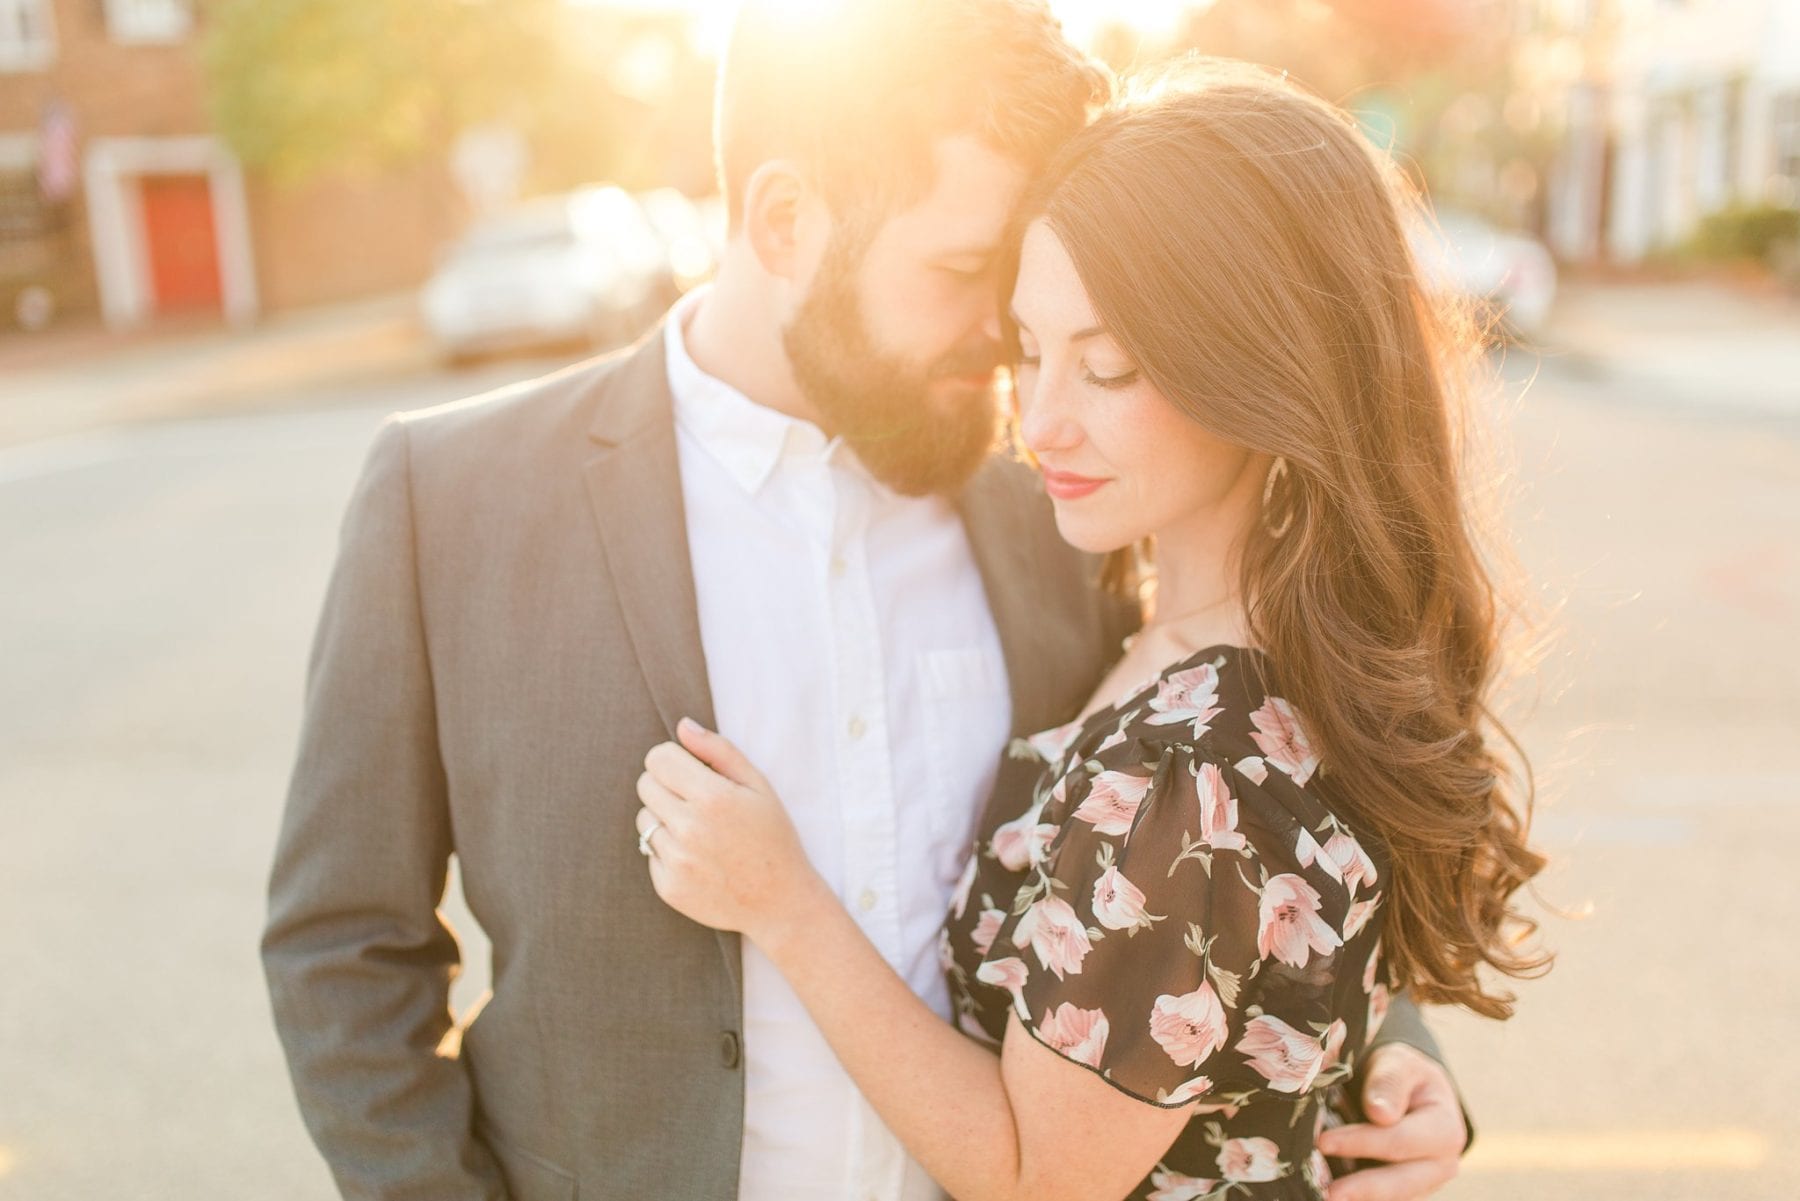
<point x="1247" y="247"/>
<point x="859" y="90"/>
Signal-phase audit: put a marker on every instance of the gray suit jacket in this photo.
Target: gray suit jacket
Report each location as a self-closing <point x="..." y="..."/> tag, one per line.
<point x="509" y="627"/>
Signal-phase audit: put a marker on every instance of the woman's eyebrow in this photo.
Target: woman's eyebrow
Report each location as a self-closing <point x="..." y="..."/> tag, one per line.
<point x="1092" y="331"/>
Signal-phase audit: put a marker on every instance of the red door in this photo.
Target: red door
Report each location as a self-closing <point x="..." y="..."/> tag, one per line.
<point x="182" y="242"/>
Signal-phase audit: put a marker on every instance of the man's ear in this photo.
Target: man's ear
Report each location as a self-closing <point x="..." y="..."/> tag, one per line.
<point x="775" y="198"/>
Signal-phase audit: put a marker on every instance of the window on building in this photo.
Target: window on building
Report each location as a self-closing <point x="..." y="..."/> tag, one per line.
<point x="26" y="41"/>
<point x="149" y="20"/>
<point x="1785" y="135"/>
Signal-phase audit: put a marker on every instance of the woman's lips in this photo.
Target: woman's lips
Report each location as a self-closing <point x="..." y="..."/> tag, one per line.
<point x="1066" y="485"/>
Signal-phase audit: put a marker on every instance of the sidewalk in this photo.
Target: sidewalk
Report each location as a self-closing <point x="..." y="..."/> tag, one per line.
<point x="84" y="378"/>
<point x="1695" y="343"/>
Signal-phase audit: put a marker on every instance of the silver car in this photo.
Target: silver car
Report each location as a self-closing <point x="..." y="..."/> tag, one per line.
<point x="582" y="267"/>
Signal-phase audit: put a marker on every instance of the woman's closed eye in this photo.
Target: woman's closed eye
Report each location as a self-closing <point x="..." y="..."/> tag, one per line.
<point x="1123" y="379"/>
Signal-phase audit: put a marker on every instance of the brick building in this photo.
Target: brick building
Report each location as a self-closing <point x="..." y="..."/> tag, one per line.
<point x="117" y="197"/>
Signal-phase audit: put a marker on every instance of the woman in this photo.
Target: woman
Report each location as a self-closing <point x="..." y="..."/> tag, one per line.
<point x="1284" y="801"/>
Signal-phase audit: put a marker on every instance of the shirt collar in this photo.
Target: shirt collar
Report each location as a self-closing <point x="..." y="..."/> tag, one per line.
<point x="747" y="439"/>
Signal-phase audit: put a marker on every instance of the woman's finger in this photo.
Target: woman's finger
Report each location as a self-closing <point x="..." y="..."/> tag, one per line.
<point x="659" y="802"/>
<point x="719" y="753"/>
<point x="1396" y="1182"/>
<point x="677" y="770"/>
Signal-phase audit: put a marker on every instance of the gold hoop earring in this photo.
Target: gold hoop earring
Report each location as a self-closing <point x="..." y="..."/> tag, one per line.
<point x="1278" y="471"/>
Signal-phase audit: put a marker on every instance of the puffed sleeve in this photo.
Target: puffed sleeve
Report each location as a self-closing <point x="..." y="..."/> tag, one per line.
<point x="1142" y="942"/>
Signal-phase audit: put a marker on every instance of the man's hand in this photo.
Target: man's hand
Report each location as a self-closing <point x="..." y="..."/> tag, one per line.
<point x="1415" y="1124"/>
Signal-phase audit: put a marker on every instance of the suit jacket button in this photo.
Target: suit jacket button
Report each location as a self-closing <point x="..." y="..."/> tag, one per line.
<point x="730" y="1051"/>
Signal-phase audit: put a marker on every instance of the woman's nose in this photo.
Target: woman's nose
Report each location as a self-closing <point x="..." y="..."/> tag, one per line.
<point x="1045" y="423"/>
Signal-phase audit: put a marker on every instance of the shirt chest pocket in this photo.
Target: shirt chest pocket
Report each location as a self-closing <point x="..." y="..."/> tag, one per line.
<point x="967" y="713"/>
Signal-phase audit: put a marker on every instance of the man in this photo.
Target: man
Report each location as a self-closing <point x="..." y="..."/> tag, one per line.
<point x="772" y="516"/>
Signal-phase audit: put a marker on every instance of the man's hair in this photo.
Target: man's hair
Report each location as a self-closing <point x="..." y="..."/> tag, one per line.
<point x="857" y="92"/>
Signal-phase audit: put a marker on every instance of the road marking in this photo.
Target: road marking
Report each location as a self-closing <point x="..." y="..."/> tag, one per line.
<point x="1619" y="1151"/>
<point x="199" y="436"/>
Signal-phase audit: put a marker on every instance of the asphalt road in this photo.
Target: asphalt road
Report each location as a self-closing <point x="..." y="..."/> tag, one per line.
<point x="158" y="586"/>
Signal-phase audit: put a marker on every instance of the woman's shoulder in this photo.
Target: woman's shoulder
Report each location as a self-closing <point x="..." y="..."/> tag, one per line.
<point x="1211" y="731"/>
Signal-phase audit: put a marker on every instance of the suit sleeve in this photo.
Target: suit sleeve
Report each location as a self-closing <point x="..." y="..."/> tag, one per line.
<point x="357" y="960"/>
<point x="1405" y="1025"/>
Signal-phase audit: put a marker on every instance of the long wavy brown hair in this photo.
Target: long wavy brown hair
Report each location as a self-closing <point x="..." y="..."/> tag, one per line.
<point x="1248" y="248"/>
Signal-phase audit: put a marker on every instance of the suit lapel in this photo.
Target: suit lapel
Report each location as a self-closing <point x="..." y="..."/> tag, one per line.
<point x="1001" y="537"/>
<point x="634" y="488"/>
<point x="633" y="481"/>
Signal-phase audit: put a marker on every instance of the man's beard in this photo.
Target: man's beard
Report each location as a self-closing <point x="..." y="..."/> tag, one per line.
<point x="919" y="430"/>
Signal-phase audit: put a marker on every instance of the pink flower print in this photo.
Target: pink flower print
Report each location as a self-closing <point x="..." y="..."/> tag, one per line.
<point x="1053" y="931"/>
<point x="1290" y="926"/>
<point x="1370" y="968"/>
<point x="946" y="956"/>
<point x="959" y="900"/>
<point x="1378" y="1009"/>
<point x="987" y="928"/>
<point x="1109" y="742"/>
<point x="1289" y="1060"/>
<point x="1354" y="862"/>
<point x="1320" y="1169"/>
<point x="1008" y="974"/>
<point x="1188" y="1028"/>
<point x="1173" y="1186"/>
<point x="1283" y="743"/>
<point x="1186" y="696"/>
<point x="1334" y="1043"/>
<point x="1250" y="1160"/>
<point x="1308" y="851"/>
<point x="1252" y="768"/>
<point x="1022" y="842"/>
<point x="1218" y="810"/>
<point x="1199" y="1086"/>
<point x="1359" y="916"/>
<point x="1118" y="903"/>
<point x="1079" y="1034"/>
<point x="1112" y="801"/>
<point x="1052" y="745"/>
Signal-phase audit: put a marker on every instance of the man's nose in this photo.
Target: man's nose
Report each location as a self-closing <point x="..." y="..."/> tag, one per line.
<point x="991" y="328"/>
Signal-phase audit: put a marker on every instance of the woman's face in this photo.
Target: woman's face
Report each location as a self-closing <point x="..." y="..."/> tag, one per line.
<point x="1119" y="461"/>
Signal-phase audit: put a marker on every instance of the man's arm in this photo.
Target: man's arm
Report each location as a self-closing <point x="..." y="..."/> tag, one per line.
<point x="358" y="963"/>
<point x="1408" y="1129"/>
<point x="1405" y="1026"/>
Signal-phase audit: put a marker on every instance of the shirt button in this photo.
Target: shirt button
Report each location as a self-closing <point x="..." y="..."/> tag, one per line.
<point x="857" y="727"/>
<point x="838" y="567"/>
<point x="868" y="899"/>
<point x="729" y="1049"/>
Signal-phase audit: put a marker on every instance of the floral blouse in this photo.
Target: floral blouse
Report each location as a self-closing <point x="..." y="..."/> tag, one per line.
<point x="1178" y="909"/>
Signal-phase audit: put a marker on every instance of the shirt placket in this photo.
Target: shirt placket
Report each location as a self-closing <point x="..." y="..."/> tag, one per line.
<point x="866" y="798"/>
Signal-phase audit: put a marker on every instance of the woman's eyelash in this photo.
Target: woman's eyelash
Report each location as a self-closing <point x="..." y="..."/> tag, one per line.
<point x="1111" y="381"/>
<point x="1099" y="381"/>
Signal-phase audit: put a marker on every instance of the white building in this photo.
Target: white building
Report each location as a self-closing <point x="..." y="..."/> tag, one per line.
<point x="1681" y="108"/>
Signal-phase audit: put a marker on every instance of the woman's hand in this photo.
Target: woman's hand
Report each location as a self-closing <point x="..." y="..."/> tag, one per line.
<point x="724" y="851"/>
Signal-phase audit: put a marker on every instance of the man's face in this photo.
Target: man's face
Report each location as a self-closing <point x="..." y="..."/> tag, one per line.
<point x="898" y="338"/>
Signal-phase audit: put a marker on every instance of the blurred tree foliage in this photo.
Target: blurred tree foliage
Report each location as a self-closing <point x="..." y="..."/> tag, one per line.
<point x="301" y="88"/>
<point x="1445" y="84"/>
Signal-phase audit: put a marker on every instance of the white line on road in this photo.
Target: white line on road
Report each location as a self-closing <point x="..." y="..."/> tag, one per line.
<point x="199" y="435"/>
<point x="1619" y="1151"/>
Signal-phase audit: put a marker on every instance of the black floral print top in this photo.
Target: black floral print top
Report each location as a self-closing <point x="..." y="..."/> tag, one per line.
<point x="1177" y="908"/>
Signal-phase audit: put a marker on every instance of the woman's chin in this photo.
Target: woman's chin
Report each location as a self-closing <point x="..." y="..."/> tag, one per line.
<point x="1091" y="537"/>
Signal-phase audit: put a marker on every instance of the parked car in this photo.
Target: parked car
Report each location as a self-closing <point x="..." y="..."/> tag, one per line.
<point x="1511" y="272"/>
<point x="581" y="267"/>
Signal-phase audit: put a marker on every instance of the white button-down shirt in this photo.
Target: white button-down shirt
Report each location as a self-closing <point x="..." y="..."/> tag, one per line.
<point x="853" y="657"/>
